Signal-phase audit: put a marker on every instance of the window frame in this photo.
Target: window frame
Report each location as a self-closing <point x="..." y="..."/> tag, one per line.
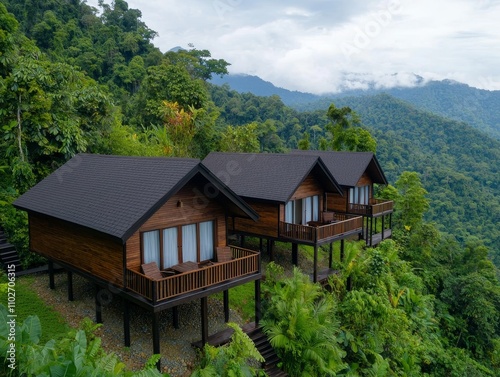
<point x="179" y="241"/>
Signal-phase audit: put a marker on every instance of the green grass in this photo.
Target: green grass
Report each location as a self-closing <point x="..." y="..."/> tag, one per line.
<point x="28" y="303"/>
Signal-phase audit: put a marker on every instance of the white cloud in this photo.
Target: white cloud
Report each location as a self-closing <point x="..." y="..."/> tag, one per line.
<point x="309" y="45"/>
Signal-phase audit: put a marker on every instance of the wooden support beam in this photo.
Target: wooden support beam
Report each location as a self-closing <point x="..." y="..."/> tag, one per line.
<point x="295" y="254"/>
<point x="342" y="244"/>
<point x="260" y="244"/>
<point x="126" y="322"/>
<point x="258" y="308"/>
<point x="51" y="275"/>
<point x="98" y="305"/>
<point x="242" y="241"/>
<point x="271" y="250"/>
<point x="70" y="285"/>
<point x="204" y="320"/>
<point x="383" y="227"/>
<point x="315" y="272"/>
<point x="226" y="306"/>
<point x="330" y="256"/>
<point x="371" y="232"/>
<point x="156" y="336"/>
<point x="175" y="316"/>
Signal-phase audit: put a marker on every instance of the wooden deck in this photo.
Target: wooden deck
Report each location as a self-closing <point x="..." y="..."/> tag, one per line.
<point x="244" y="262"/>
<point x="319" y="232"/>
<point x="377" y="238"/>
<point x="375" y="208"/>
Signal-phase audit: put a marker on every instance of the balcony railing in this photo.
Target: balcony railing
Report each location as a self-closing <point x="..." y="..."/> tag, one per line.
<point x="376" y="207"/>
<point x="244" y="262"/>
<point x="317" y="232"/>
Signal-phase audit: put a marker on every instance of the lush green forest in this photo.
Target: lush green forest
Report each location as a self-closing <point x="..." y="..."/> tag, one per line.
<point x="426" y="303"/>
<point x="459" y="165"/>
<point x="477" y="107"/>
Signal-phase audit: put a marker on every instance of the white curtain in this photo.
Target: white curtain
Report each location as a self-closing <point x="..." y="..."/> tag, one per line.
<point x="151" y="246"/>
<point x="189" y="243"/>
<point x="206" y="240"/>
<point x="315" y="209"/>
<point x="351" y="195"/>
<point x="289" y="212"/>
<point x="170" y="254"/>
<point x="307" y="208"/>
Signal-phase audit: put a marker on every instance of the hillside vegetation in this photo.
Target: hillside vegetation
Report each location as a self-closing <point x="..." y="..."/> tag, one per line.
<point x="477" y="107"/>
<point x="425" y="303"/>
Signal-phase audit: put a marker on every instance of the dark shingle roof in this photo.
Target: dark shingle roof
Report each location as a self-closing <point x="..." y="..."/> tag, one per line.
<point x="267" y="176"/>
<point x="112" y="194"/>
<point x="348" y="167"/>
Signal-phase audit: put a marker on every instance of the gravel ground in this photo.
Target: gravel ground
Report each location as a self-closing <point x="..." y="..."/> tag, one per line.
<point x="178" y="356"/>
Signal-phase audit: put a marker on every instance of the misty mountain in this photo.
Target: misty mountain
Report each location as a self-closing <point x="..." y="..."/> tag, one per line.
<point x="477" y="107"/>
<point x="253" y="84"/>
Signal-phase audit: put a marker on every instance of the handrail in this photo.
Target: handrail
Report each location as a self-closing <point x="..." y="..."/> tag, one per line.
<point x="308" y="233"/>
<point x="244" y="262"/>
<point x="375" y="207"/>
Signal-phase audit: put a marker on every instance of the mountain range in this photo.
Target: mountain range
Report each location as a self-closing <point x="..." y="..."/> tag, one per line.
<point x="476" y="107"/>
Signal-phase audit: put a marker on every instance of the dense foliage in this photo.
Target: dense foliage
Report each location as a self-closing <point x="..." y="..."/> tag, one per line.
<point x="79" y="353"/>
<point x="233" y="359"/>
<point x="417" y="305"/>
<point x="426" y="303"/>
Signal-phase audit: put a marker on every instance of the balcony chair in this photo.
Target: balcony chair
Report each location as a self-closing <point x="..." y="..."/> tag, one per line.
<point x="328" y="217"/>
<point x="152" y="271"/>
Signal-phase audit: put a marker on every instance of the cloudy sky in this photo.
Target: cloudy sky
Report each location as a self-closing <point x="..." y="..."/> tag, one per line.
<point x="319" y="45"/>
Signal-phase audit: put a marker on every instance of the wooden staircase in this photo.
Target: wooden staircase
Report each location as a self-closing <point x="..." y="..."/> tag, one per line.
<point x="8" y="253"/>
<point x="261" y="343"/>
<point x="266" y="350"/>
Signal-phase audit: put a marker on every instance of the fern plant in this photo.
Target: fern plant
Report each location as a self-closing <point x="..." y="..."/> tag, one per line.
<point x="301" y="325"/>
<point x="231" y="360"/>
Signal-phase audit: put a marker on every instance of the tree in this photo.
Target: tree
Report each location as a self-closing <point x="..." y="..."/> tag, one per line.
<point x="304" y="143"/>
<point x="346" y="131"/>
<point x="239" y="139"/>
<point x="49" y="111"/>
<point x="171" y="83"/>
<point x="198" y="63"/>
<point x="411" y="203"/>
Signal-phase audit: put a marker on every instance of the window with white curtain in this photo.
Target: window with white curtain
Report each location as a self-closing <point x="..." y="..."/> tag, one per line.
<point x="206" y="240"/>
<point x="315" y="208"/>
<point x="170" y="251"/>
<point x="359" y="195"/>
<point x="289" y="212"/>
<point x="189" y="243"/>
<point x="197" y="242"/>
<point x="307" y="208"/>
<point x="302" y="210"/>
<point x="151" y="247"/>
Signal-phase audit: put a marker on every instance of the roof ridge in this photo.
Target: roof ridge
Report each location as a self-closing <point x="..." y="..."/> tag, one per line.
<point x="163" y="158"/>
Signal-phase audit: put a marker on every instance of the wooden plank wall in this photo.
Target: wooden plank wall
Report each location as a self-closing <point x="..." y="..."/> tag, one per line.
<point x="266" y="225"/>
<point x="196" y="207"/>
<point x="338" y="203"/>
<point x="365" y="180"/>
<point x="309" y="187"/>
<point x="86" y="250"/>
